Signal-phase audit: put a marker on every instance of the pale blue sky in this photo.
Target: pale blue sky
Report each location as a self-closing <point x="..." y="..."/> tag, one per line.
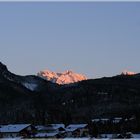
<point x="96" y="39"/>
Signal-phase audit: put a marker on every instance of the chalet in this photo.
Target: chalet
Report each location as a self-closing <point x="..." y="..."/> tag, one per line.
<point x="95" y="120"/>
<point x="50" y="131"/>
<point x="117" y="120"/>
<point x="102" y="120"/>
<point x="41" y="128"/>
<point x="55" y="128"/>
<point x="106" y="120"/>
<point x="17" y="130"/>
<point x="77" y="130"/>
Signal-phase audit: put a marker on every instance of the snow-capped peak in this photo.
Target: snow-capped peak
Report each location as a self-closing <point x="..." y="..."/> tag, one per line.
<point x="65" y="77"/>
<point x="126" y="72"/>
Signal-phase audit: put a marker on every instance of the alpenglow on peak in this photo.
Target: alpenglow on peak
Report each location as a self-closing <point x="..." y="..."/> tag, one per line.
<point x="61" y="78"/>
<point x="126" y="72"/>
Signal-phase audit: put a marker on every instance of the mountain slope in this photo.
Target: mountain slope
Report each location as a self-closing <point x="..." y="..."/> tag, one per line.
<point x="19" y="102"/>
<point x="30" y="82"/>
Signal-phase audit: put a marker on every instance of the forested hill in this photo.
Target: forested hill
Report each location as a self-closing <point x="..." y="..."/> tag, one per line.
<point x="30" y="99"/>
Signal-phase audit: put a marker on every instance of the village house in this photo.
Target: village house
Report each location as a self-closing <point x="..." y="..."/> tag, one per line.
<point x="41" y="131"/>
<point x="17" y="130"/>
<point x="41" y="128"/>
<point x="58" y="130"/>
<point x="101" y="120"/>
<point x="56" y="127"/>
<point x="53" y="128"/>
<point x="106" y="120"/>
<point x="95" y="120"/>
<point x="77" y="130"/>
<point x="117" y="120"/>
<point x="50" y="131"/>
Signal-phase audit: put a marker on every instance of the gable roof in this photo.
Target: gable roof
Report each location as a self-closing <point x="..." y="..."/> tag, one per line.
<point x="41" y="127"/>
<point x="13" y="128"/>
<point x="73" y="127"/>
<point x="56" y="126"/>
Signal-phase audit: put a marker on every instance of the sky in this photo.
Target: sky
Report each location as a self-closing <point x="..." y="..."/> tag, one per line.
<point x="92" y="38"/>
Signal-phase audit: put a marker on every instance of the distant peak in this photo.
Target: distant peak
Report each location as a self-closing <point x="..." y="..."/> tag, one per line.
<point x="126" y="72"/>
<point x="65" y="77"/>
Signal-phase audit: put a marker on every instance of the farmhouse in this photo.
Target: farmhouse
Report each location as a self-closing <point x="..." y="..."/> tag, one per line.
<point x="77" y="130"/>
<point x="17" y="130"/>
<point x="41" y="128"/>
<point x="117" y="120"/>
<point x="50" y="131"/>
<point x="53" y="128"/>
<point x="101" y="120"/>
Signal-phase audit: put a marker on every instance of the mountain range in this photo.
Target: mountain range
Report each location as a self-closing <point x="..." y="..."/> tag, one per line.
<point x="31" y="99"/>
<point x="66" y="77"/>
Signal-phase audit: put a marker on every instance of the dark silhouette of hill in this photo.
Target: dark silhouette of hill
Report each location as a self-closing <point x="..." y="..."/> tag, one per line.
<point x="30" y="99"/>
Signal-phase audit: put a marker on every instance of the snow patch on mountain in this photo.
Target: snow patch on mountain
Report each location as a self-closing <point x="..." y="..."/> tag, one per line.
<point x="30" y="86"/>
<point x="66" y="77"/>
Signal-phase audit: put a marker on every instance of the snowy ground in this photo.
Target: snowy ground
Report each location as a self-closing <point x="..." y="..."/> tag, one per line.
<point x="135" y="137"/>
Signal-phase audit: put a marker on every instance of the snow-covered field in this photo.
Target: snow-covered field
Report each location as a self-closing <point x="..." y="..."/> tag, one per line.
<point x="135" y="137"/>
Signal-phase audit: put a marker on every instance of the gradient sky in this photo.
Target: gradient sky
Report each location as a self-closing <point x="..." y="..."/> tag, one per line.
<point x="96" y="39"/>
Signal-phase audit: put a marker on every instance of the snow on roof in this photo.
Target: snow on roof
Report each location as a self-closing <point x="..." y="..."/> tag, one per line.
<point x="132" y="118"/>
<point x="118" y="118"/>
<point x="95" y="120"/>
<point x="40" y="127"/>
<point x="13" y="128"/>
<point x="104" y="119"/>
<point x="73" y="127"/>
<point x="56" y="126"/>
<point x="77" y="125"/>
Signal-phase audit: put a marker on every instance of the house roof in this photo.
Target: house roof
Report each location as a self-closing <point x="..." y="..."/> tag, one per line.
<point x="73" y="127"/>
<point x="13" y="128"/>
<point x="41" y="127"/>
<point x="117" y="118"/>
<point x="95" y="120"/>
<point x="104" y="119"/>
<point x="55" y="126"/>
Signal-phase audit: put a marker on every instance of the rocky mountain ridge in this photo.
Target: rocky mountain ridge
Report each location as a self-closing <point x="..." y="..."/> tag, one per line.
<point x="66" y="77"/>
